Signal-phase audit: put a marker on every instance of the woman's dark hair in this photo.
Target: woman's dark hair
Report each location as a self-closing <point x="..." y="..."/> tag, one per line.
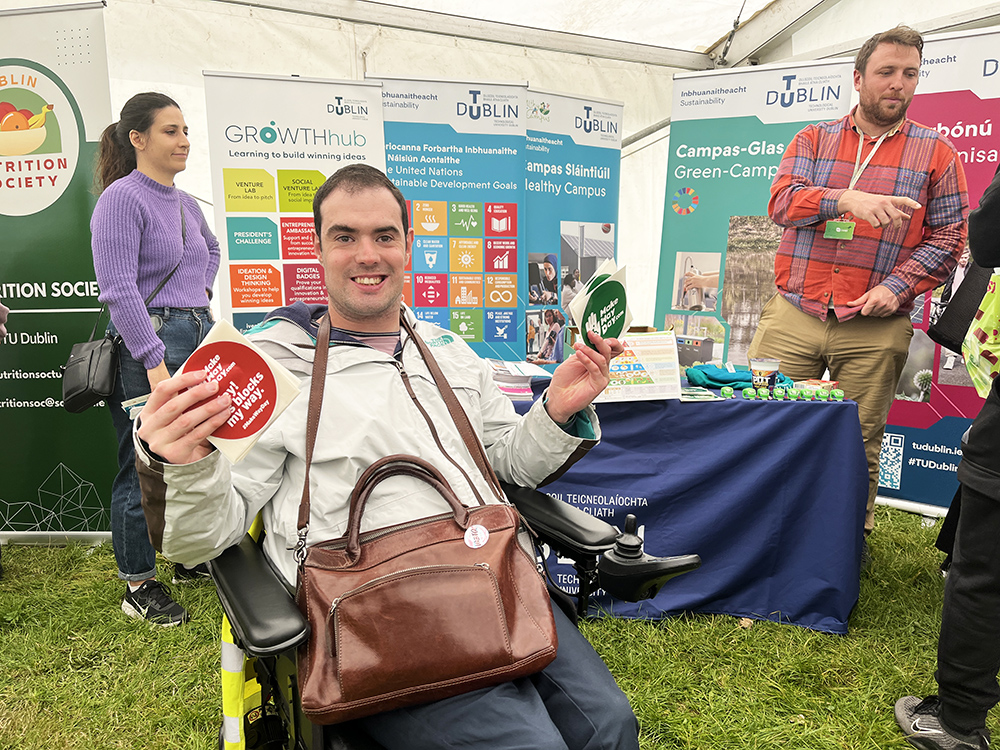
<point x="554" y="315"/>
<point x="116" y="156"/>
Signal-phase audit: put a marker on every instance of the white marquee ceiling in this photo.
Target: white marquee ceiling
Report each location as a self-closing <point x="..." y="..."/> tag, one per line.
<point x="694" y="25"/>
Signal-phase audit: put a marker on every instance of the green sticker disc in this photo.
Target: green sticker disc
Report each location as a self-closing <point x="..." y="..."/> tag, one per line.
<point x="596" y="280"/>
<point x="605" y="312"/>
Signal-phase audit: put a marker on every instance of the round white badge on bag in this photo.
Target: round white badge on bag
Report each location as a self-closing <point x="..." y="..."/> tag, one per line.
<point x="476" y="536"/>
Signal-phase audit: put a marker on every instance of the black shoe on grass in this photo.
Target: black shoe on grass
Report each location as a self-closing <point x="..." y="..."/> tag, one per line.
<point x="920" y="722"/>
<point x="152" y="602"/>
<point x="184" y="574"/>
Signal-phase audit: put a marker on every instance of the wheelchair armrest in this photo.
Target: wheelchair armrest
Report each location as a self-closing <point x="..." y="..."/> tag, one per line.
<point x="262" y="613"/>
<point x="570" y="531"/>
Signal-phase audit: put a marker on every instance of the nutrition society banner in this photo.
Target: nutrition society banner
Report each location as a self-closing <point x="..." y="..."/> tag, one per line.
<point x="273" y="141"/>
<point x="54" y="103"/>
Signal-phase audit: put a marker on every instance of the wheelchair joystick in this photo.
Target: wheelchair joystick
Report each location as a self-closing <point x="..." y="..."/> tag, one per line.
<point x="629" y="544"/>
<point x="626" y="572"/>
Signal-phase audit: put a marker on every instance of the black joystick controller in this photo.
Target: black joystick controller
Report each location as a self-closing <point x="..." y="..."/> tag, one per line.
<point x="629" y="544"/>
<point x="629" y="574"/>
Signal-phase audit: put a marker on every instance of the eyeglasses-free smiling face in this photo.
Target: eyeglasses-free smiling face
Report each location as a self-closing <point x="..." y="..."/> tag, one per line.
<point x="886" y="87"/>
<point x="364" y="253"/>
<point x="162" y="151"/>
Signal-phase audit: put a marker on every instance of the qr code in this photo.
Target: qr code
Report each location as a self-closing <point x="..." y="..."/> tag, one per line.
<point x="890" y="461"/>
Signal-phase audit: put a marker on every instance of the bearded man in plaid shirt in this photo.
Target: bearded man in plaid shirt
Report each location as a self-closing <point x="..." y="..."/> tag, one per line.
<point x="874" y="208"/>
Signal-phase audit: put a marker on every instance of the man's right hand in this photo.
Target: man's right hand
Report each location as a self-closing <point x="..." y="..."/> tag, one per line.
<point x="172" y="428"/>
<point x="877" y="210"/>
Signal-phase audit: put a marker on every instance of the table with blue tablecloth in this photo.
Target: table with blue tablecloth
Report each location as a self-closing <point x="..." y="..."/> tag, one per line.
<point x="771" y="494"/>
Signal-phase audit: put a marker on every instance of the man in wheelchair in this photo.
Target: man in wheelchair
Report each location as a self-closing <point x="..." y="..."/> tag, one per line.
<point x="380" y="399"/>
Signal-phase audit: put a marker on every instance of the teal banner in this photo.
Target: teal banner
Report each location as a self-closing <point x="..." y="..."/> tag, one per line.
<point x="728" y="134"/>
<point x="572" y="176"/>
<point x="456" y="151"/>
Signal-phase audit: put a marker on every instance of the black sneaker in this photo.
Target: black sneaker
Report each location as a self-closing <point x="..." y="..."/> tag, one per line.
<point x="151" y="601"/>
<point x="923" y="728"/>
<point x="184" y="574"/>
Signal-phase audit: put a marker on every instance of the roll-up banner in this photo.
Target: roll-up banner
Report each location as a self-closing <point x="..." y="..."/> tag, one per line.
<point x="728" y="132"/>
<point x="959" y="96"/>
<point x="54" y="103"/>
<point x="273" y="141"/>
<point x="456" y="150"/>
<point x="572" y="175"/>
<point x="715" y="221"/>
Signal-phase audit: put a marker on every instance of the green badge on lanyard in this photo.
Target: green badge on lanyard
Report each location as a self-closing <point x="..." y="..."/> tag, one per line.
<point x="839" y="230"/>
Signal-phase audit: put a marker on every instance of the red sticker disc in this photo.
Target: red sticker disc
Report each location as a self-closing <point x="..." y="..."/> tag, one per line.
<point x="244" y="374"/>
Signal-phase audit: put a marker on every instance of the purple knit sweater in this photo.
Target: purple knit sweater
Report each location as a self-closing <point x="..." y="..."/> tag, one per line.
<point x="136" y="239"/>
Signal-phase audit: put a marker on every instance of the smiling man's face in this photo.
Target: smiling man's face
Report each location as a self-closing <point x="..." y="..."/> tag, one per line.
<point x="364" y="252"/>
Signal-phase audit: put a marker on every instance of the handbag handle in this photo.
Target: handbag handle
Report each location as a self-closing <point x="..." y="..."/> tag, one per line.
<point x="385" y="468"/>
<point x="312" y="426"/>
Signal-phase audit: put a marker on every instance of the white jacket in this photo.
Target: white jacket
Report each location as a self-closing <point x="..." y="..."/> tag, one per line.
<point x="197" y="510"/>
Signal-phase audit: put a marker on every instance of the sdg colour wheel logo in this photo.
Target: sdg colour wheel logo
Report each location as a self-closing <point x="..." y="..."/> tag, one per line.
<point x="685" y="201"/>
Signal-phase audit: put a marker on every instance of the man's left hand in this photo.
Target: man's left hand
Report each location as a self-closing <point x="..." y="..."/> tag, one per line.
<point x="579" y="380"/>
<point x="877" y="302"/>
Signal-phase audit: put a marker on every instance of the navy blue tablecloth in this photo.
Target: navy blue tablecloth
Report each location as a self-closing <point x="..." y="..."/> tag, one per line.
<point x="770" y="494"/>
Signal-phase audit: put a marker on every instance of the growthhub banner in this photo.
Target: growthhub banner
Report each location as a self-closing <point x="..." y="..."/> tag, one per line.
<point x="572" y="175"/>
<point x="959" y="96"/>
<point x="53" y="107"/>
<point x="456" y="150"/>
<point x="273" y="141"/>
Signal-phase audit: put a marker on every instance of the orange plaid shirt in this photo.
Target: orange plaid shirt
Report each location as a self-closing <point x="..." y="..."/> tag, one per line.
<point x="913" y="161"/>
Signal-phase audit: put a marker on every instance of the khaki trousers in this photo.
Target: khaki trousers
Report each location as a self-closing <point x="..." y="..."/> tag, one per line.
<point x="865" y="354"/>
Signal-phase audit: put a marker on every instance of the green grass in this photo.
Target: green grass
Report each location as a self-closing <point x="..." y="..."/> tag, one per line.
<point x="75" y="673"/>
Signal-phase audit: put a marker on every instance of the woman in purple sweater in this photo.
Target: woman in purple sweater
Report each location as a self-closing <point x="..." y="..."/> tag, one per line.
<point x="144" y="230"/>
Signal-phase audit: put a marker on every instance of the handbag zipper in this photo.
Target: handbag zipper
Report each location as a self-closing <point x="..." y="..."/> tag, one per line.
<point x="335" y="646"/>
<point x="374" y="581"/>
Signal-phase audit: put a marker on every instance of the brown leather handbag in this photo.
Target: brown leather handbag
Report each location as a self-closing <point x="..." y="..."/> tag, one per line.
<point x="419" y="611"/>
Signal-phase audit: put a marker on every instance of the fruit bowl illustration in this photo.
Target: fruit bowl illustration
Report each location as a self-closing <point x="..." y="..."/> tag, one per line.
<point x="21" y="131"/>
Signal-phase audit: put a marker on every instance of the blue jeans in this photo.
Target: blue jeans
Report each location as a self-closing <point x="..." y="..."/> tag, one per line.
<point x="572" y="704"/>
<point x="182" y="331"/>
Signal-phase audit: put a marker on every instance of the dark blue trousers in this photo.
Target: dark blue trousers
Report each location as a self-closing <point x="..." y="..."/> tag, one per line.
<point x="181" y="331"/>
<point x="573" y="704"/>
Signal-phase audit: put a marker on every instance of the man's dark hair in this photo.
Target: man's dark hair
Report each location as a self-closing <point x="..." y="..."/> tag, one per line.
<point x="354" y="178"/>
<point x="903" y="35"/>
